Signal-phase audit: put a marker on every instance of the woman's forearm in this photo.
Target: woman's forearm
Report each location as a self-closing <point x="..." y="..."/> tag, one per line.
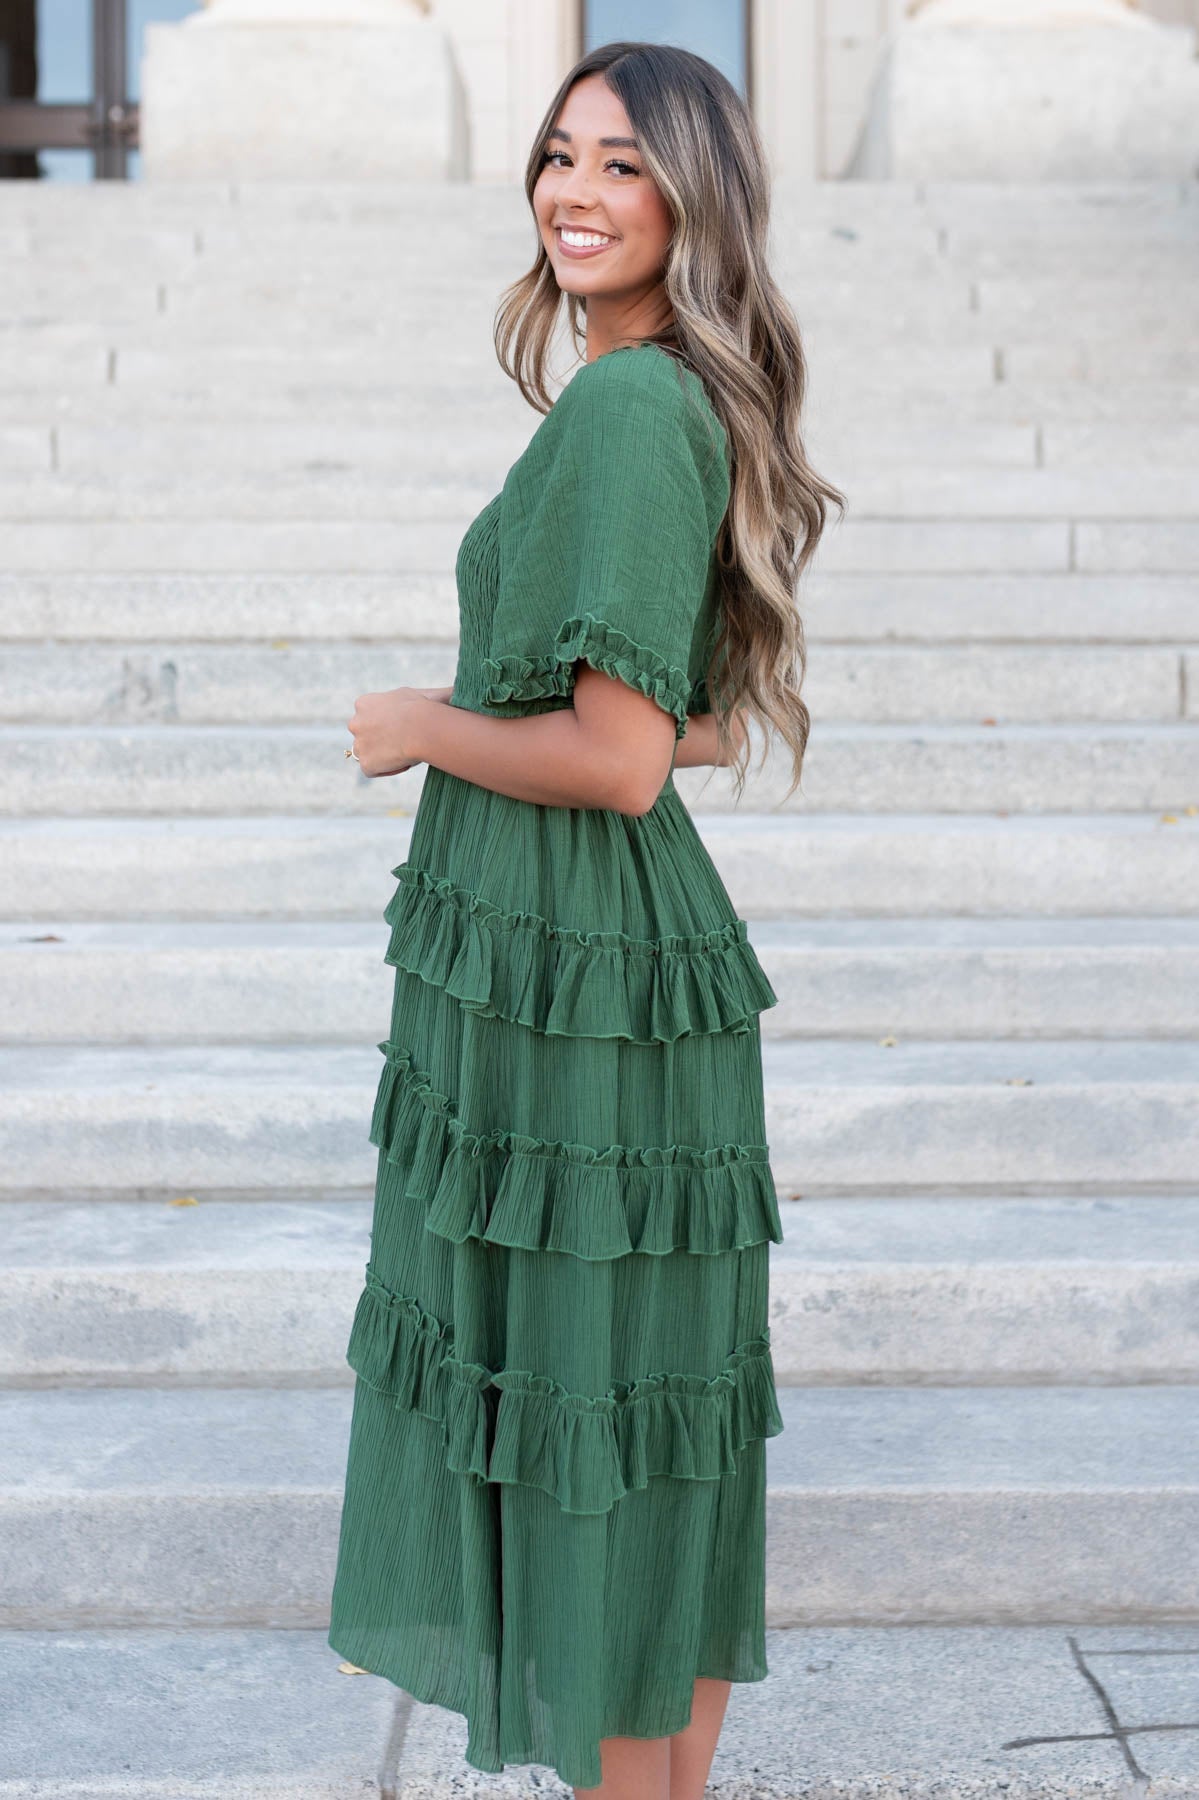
<point x="549" y="758"/>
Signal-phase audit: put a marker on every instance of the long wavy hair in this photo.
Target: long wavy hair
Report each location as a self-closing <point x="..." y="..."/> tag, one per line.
<point x="735" y="329"/>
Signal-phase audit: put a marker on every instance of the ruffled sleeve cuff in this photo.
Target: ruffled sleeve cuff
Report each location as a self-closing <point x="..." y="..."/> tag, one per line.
<point x="516" y="679"/>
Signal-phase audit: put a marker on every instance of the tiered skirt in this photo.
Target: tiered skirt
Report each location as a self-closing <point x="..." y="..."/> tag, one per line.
<point x="554" y="1511"/>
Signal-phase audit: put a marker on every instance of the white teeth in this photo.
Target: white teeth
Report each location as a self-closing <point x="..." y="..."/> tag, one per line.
<point x="583" y="240"/>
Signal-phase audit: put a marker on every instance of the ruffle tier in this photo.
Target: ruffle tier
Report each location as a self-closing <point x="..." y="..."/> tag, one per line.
<point x="511" y="1425"/>
<point x="503" y="1187"/>
<point x="585" y="638"/>
<point x="604" y="984"/>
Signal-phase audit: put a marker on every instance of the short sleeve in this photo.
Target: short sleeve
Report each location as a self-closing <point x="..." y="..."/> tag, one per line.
<point x="606" y="544"/>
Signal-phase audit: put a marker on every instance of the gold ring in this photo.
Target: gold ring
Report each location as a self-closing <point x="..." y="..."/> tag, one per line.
<point x="352" y="753"/>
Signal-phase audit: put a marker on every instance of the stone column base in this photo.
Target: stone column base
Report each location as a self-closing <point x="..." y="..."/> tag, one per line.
<point x="1011" y="90"/>
<point x="366" y="93"/>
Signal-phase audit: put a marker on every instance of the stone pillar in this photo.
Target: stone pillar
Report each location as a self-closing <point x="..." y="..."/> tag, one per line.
<point x="302" y="90"/>
<point x="1011" y="90"/>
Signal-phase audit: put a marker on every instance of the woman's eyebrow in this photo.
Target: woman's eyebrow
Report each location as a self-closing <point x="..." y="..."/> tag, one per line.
<point x="604" y="143"/>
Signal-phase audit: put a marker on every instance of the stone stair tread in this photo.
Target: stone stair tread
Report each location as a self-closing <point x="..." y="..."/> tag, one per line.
<point x="190" y="1440"/>
<point x="71" y="1238"/>
<point x="944" y="1712"/>
<point x="951" y="1289"/>
<point x="867" y="864"/>
<point x="1034" y="607"/>
<point x="211" y="1068"/>
<point x="1134" y="403"/>
<point x="326" y="980"/>
<point x="330" y="1234"/>
<point x="815" y="1062"/>
<point x="1029" y="1439"/>
<point x="459" y="481"/>
<point x="934" y="1712"/>
<point x="884" y="1504"/>
<point x="946" y="1231"/>
<point x="1116" y="765"/>
<point x="162" y="1713"/>
<point x="1063" y="1062"/>
<point x="92" y="937"/>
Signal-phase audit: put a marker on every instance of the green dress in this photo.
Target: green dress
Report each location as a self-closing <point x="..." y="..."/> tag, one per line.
<point x="554" y="1510"/>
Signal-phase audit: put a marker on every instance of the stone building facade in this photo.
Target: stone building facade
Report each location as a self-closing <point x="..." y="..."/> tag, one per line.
<point x="383" y="89"/>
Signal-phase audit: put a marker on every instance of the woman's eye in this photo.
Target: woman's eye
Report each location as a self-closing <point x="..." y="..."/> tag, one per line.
<point x="614" y="162"/>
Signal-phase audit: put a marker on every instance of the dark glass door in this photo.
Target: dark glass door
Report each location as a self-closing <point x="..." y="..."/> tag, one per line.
<point x="64" y="110"/>
<point x="70" y="80"/>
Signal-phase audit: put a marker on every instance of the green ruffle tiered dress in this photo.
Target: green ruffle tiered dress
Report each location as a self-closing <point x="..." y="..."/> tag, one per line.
<point x="554" y="1511"/>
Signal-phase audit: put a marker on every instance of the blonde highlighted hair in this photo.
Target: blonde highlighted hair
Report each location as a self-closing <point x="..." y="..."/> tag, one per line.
<point x="732" y="325"/>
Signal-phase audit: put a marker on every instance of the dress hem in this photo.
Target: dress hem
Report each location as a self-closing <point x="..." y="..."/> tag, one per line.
<point x="430" y="1698"/>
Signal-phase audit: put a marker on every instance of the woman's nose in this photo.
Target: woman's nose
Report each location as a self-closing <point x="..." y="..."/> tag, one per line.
<point x="576" y="189"/>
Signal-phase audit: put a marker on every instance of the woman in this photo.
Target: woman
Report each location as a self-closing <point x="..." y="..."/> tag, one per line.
<point x="554" y="1517"/>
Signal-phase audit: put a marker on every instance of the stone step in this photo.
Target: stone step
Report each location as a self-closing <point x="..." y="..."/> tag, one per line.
<point x="842" y="1116"/>
<point x="1063" y="1115"/>
<point x="210" y="769"/>
<point x="193" y="1714"/>
<point x="1020" y="362"/>
<point x="287" y="982"/>
<point x="847" y="220"/>
<point x="384" y="306"/>
<point x="259" y="449"/>
<point x="996" y="1505"/>
<point x="387" y="607"/>
<point x="1135" y="406"/>
<point x="946" y="1290"/>
<point x="89" y="362"/>
<point x="1032" y="1713"/>
<point x="77" y="448"/>
<point x="24" y="450"/>
<point x="858" y="546"/>
<point x="289" y="683"/>
<point x="478" y="225"/>
<point x="1070" y="608"/>
<point x="907" y="1291"/>
<point x="1148" y="206"/>
<point x="1046" y="1712"/>
<point x="460" y="476"/>
<point x="191" y="289"/>
<point x="215" y="1506"/>
<point x="866" y="865"/>
<point x="838" y="359"/>
<point x="1095" y="445"/>
<point x="307" y="262"/>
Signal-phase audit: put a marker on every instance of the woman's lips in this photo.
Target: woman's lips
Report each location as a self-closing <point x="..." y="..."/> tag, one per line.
<point x="581" y="250"/>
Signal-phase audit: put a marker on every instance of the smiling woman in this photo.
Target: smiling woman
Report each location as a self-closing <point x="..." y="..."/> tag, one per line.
<point x="598" y="207"/>
<point x="554" y="1516"/>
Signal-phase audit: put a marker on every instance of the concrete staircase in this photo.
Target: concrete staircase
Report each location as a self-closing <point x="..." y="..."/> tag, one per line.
<point x="242" y="432"/>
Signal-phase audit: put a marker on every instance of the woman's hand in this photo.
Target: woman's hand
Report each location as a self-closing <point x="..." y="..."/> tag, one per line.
<point x="386" y="728"/>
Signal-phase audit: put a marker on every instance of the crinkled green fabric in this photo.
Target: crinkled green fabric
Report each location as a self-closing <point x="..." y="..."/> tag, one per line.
<point x="554" y="1511"/>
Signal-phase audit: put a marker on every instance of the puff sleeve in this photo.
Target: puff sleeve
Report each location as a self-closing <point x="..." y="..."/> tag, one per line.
<point x="606" y="549"/>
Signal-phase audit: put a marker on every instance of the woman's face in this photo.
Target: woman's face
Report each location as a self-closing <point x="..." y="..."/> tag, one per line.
<point x="603" y="189"/>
